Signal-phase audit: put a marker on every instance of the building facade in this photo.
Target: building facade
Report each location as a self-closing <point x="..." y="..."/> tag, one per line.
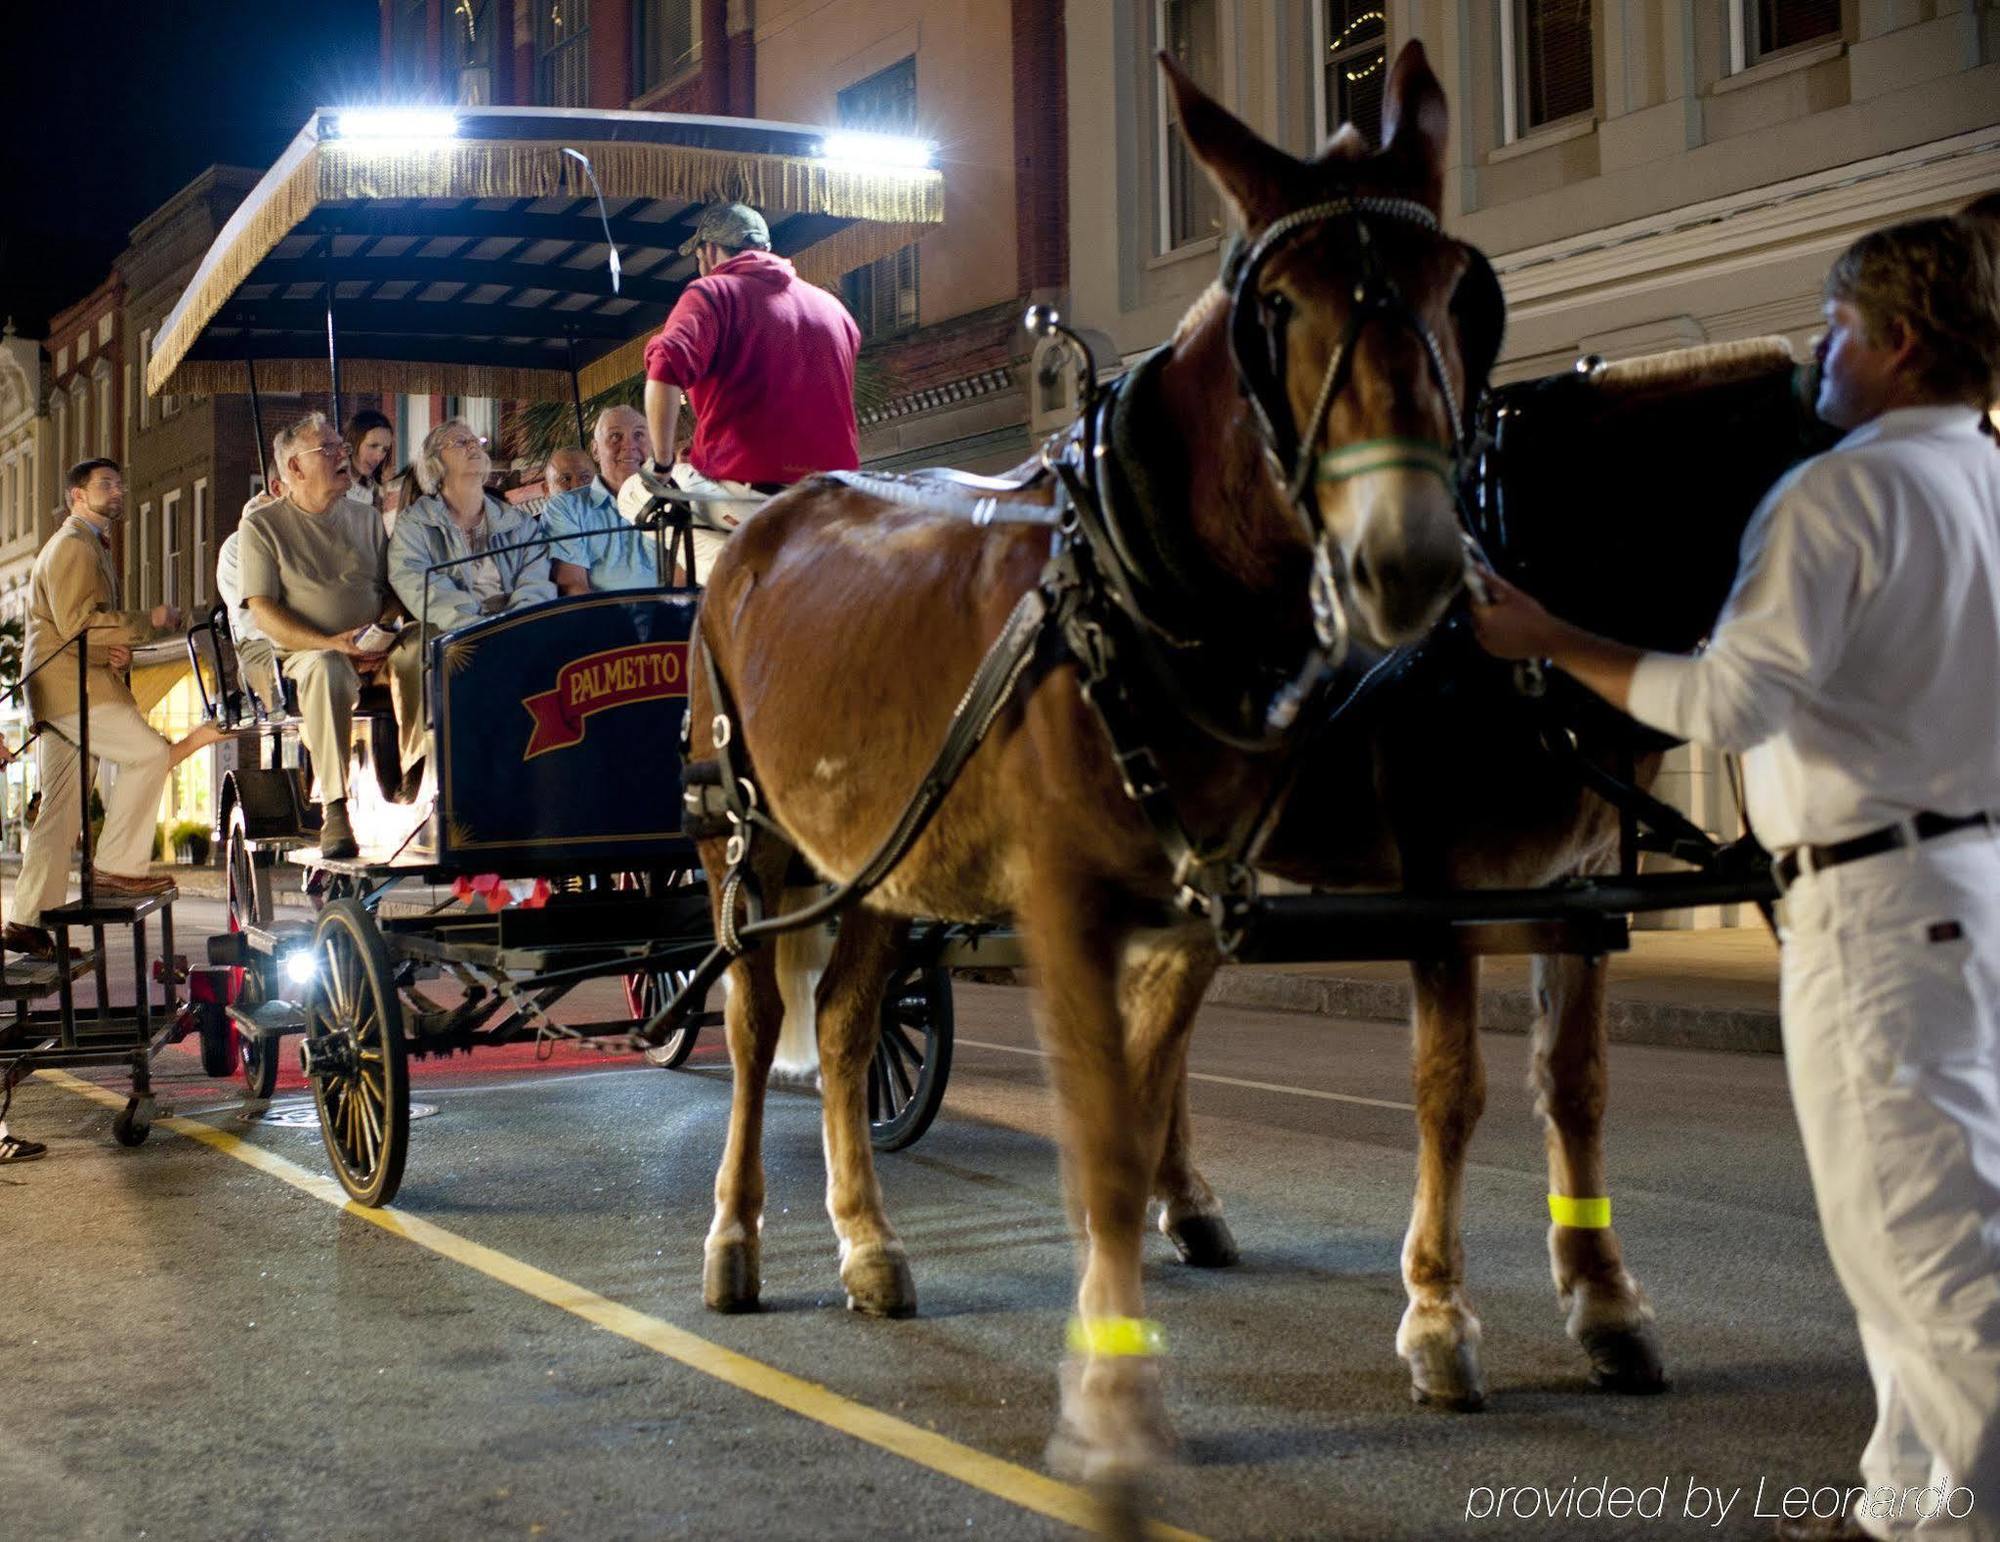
<point x="1645" y="174"/>
<point x="90" y="386"/>
<point x="941" y="379"/>
<point x="27" y="496"/>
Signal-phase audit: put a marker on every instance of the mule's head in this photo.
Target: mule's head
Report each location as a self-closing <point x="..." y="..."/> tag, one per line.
<point x="1361" y="335"/>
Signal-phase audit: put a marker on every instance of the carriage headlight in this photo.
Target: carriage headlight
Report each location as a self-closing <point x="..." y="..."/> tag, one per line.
<point x="878" y="151"/>
<point x="299" y="967"/>
<point x="394" y="128"/>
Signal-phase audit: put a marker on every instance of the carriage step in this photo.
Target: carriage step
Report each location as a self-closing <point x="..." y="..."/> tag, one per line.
<point x="269" y="1019"/>
<point x="122" y="911"/>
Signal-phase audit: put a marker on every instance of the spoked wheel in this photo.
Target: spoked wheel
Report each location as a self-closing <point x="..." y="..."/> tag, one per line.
<point x="355" y="1055"/>
<point x="645" y="994"/>
<point x="913" y="1060"/>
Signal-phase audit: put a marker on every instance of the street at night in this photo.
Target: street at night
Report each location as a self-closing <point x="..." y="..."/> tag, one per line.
<point x="229" y="1353"/>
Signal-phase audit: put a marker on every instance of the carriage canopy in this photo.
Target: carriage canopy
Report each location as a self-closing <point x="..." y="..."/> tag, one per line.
<point x="468" y="251"/>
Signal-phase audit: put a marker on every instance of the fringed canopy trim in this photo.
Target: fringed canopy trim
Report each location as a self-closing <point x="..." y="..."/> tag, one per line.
<point x="891" y="208"/>
<point x="226" y="377"/>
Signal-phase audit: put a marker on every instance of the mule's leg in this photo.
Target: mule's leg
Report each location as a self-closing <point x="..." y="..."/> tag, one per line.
<point x="872" y="1263"/>
<point x="1608" y="1313"/>
<point x="1190" y="1214"/>
<point x="1439" y="1336"/>
<point x="1114" y="1423"/>
<point x="731" y="1273"/>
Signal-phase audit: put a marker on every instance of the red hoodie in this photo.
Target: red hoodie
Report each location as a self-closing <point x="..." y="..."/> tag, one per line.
<point x="767" y="361"/>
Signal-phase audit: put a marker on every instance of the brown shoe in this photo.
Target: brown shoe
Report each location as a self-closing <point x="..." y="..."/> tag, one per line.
<point x="129" y="886"/>
<point x="28" y="941"/>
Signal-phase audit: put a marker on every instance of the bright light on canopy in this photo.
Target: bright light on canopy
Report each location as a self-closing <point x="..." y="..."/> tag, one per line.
<point x="382" y="125"/>
<point x="878" y="150"/>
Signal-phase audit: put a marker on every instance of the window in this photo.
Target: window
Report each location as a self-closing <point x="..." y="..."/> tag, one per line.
<point x="64" y="460"/>
<point x="409" y="43"/>
<point x="1190" y="207"/>
<point x="203" y="588"/>
<point x="470" y="25"/>
<point x="1758" y="28"/>
<point x="883" y="295"/>
<point x="147" y="558"/>
<point x="666" y="40"/>
<point x="1351" y="45"/>
<point x="79" y="410"/>
<point x="145" y="361"/>
<point x="170" y="548"/>
<point x="101" y="412"/>
<point x="1546" y="49"/>
<point x="562" y="60"/>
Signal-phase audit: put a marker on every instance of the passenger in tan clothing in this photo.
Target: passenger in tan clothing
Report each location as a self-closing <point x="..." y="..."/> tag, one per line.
<point x="75" y="589"/>
<point x="314" y="582"/>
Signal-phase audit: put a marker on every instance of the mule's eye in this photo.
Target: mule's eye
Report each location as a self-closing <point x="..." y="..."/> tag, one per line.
<point x="1276" y="306"/>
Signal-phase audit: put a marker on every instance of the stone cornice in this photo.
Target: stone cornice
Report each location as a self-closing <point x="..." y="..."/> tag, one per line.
<point x="1803" y="216"/>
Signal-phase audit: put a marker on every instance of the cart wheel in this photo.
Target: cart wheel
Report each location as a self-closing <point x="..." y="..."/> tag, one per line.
<point x="257" y="1059"/>
<point x="355" y="1055"/>
<point x="913" y="1060"/>
<point x="249" y="875"/>
<point x="218" y="1043"/>
<point x="646" y="994"/>
<point x="134" y="1122"/>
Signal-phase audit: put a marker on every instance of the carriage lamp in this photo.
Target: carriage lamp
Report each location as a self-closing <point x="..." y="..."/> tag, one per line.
<point x="878" y="151"/>
<point x="299" y="967"/>
<point x="390" y="127"/>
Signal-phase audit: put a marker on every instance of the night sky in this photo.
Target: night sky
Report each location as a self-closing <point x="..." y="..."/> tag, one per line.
<point x="109" y="107"/>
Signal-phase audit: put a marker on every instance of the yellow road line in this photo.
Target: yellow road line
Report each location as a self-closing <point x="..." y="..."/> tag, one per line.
<point x="990" y="1474"/>
<point x="1222" y="1081"/>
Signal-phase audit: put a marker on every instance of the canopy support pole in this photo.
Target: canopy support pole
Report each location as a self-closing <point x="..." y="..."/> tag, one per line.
<point x="332" y="353"/>
<point x="576" y="392"/>
<point x="264" y="465"/>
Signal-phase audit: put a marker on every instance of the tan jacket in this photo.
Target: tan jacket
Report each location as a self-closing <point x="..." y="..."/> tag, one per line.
<point x="74" y="585"/>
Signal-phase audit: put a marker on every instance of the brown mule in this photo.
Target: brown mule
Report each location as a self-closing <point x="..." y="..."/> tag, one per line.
<point x="844" y="629"/>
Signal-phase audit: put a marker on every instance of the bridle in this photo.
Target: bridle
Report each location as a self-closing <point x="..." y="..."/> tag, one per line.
<point x="1257" y="348"/>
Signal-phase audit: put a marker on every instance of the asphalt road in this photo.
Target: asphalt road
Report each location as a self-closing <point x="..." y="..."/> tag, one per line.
<point x="193" y="1345"/>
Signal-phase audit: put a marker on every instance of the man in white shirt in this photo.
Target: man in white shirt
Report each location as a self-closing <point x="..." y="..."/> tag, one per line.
<point x="1856" y="665"/>
<point x="256" y="659"/>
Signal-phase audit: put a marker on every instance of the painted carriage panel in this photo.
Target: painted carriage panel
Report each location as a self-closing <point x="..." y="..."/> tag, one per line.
<point x="559" y="732"/>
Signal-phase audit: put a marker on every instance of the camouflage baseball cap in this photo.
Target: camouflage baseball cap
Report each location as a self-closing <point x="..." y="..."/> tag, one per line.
<point x="730" y="226"/>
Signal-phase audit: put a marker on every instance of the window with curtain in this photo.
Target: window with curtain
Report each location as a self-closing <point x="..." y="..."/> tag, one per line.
<point x="562" y="58"/>
<point x="1780" y="24"/>
<point x="1353" y="65"/>
<point x="170" y="548"/>
<point x="1190" y="207"/>
<point x="883" y="295"/>
<point x="470" y="46"/>
<point x="666" y="41"/>
<point x="1553" y="51"/>
<point x="204" y="545"/>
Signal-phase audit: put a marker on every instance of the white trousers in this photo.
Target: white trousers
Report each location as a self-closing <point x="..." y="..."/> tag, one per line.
<point x="119" y="735"/>
<point x="329" y="685"/>
<point x="708" y="543"/>
<point x="1891" y="1002"/>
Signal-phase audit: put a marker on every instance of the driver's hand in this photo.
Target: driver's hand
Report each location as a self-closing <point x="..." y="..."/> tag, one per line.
<point x="119" y="655"/>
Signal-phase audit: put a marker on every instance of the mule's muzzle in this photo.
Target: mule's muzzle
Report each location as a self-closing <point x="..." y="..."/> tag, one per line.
<point x="1409" y="562"/>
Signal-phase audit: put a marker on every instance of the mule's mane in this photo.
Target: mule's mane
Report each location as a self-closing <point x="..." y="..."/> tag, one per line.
<point x="1709" y="364"/>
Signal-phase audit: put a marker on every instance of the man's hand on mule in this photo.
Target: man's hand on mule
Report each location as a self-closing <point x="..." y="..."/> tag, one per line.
<point x="1510" y="623"/>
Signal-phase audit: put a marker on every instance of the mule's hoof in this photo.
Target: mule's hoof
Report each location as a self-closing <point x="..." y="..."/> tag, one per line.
<point x="1114" y="1429"/>
<point x="1446" y="1375"/>
<point x="1626" y="1360"/>
<point x="729" y="1280"/>
<point x="1203" y="1241"/>
<point x="878" y="1282"/>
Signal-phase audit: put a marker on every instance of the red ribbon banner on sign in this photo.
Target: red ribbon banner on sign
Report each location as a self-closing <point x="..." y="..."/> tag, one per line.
<point x="617" y="677"/>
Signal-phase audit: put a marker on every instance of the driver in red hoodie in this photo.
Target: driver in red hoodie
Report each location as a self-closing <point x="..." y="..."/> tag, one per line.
<point x="766" y="362"/>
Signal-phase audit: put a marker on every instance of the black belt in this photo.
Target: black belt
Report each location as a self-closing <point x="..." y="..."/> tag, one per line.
<point x="1927" y="825"/>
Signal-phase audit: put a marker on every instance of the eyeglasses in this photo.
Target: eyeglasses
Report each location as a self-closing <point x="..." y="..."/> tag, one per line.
<point x="465" y="442"/>
<point x="331" y="447"/>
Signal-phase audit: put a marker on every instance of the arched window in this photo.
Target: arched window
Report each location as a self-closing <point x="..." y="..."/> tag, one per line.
<point x="100" y="386"/>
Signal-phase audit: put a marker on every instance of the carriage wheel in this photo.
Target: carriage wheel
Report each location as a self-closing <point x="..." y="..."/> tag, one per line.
<point x="645" y="994"/>
<point x="355" y="1055"/>
<point x="913" y="1059"/>
<point x="247" y="876"/>
<point x="257" y="1059"/>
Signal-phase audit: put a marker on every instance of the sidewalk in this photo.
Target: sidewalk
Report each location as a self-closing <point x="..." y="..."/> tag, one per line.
<point x="1715" y="989"/>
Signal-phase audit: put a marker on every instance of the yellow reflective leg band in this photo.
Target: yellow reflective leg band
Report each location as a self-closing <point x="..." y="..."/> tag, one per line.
<point x="1583" y="1214"/>
<point x="1133" y="1336"/>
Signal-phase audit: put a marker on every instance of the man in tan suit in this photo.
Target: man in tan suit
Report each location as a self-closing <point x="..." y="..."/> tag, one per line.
<point x="74" y="591"/>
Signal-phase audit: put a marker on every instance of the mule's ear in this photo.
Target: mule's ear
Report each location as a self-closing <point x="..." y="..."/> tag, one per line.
<point x="1255" y="178"/>
<point x="1347" y="143"/>
<point x="1416" y="126"/>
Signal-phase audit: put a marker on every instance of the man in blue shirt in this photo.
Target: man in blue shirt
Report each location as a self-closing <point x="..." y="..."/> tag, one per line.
<point x="596" y="547"/>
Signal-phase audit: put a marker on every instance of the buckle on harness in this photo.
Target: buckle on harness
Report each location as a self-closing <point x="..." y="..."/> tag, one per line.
<point x="1141" y="774"/>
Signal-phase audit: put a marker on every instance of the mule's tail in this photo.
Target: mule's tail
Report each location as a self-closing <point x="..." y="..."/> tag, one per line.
<point x="800" y="960"/>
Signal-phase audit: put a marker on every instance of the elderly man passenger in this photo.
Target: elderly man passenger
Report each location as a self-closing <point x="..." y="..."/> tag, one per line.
<point x="455" y="520"/>
<point x="595" y="546"/>
<point x="314" y="581"/>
